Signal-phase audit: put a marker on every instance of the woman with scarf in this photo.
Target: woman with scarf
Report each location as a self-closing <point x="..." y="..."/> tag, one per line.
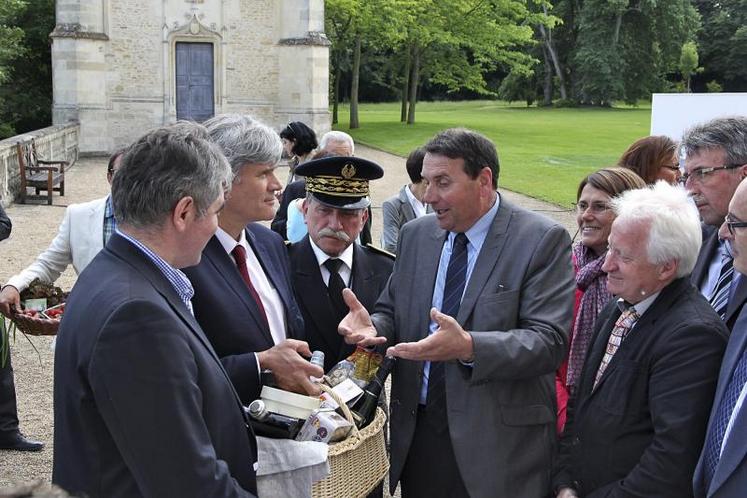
<point x="594" y="218"/>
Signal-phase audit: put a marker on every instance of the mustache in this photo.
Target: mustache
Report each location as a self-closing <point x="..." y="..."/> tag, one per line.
<point x="337" y="234"/>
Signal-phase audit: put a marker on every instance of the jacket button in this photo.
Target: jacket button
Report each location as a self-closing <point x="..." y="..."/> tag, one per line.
<point x="576" y="441"/>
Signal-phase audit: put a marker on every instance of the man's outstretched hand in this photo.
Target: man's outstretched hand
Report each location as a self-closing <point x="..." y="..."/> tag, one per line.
<point x="357" y="327"/>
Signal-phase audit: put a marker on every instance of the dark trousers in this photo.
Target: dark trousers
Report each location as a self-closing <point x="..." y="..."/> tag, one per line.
<point x="431" y="469"/>
<point x="8" y="411"/>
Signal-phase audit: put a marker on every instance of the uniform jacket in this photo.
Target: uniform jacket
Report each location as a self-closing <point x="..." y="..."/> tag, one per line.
<point x="371" y="270"/>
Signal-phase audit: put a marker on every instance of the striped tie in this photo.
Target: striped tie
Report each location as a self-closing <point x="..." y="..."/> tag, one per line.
<point x="618" y="334"/>
<point x="720" y="298"/>
<point x="720" y="421"/>
<point x="456" y="278"/>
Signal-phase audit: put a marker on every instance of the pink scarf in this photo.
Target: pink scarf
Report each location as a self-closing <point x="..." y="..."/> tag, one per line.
<point x="592" y="281"/>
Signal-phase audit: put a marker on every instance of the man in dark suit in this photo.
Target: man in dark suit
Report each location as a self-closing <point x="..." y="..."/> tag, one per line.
<point x="327" y="259"/>
<point x="716" y="161"/>
<point x="473" y="412"/>
<point x="243" y="295"/>
<point x="722" y="469"/>
<point x="636" y="424"/>
<point x="143" y="406"/>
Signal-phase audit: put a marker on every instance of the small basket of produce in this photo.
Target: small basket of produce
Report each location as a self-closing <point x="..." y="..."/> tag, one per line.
<point x="43" y="307"/>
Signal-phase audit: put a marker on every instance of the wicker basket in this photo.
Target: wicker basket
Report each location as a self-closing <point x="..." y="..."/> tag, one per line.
<point x="36" y="326"/>
<point x="357" y="464"/>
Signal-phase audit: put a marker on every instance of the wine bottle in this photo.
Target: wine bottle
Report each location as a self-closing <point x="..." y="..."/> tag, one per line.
<point x="269" y="424"/>
<point x="364" y="408"/>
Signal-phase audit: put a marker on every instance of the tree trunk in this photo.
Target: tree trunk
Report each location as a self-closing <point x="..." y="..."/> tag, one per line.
<point x="414" y="78"/>
<point x="336" y="91"/>
<point x="547" y="90"/>
<point x="550" y="46"/>
<point x="405" y="87"/>
<point x="618" y="25"/>
<point x="354" y="123"/>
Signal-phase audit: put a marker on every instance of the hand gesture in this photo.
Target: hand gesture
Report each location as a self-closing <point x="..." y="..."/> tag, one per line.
<point x="357" y="327"/>
<point x="289" y="367"/>
<point x="448" y="342"/>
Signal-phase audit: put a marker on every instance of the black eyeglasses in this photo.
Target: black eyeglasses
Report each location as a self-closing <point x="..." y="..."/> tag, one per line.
<point x="731" y="225"/>
<point x="699" y="174"/>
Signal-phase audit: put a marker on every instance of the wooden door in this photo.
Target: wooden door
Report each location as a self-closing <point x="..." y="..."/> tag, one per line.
<point x="194" y="81"/>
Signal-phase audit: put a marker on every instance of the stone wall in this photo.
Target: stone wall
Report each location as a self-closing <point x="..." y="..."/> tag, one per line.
<point x="114" y="63"/>
<point x="58" y="142"/>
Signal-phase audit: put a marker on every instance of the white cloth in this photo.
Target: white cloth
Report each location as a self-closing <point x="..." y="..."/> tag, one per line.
<point x="289" y="468"/>
<point x="418" y="207"/>
<point x="271" y="300"/>
<point x="79" y="239"/>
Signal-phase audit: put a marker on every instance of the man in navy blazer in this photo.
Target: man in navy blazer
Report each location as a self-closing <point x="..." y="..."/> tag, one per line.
<point x="722" y="468"/>
<point x="243" y="295"/>
<point x="142" y="404"/>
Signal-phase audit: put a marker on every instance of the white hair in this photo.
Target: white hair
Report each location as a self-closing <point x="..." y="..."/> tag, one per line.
<point x="336" y="136"/>
<point x="674" y="224"/>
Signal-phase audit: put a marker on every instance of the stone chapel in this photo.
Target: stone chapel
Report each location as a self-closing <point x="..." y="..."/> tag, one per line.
<point x="121" y="67"/>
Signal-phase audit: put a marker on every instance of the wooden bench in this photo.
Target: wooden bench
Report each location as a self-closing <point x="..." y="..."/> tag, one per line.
<point x="39" y="174"/>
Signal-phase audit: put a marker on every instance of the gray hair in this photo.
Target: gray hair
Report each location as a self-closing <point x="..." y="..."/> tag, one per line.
<point x="729" y="134"/>
<point x="336" y="136"/>
<point x="674" y="224"/>
<point x="164" y="166"/>
<point x="244" y="140"/>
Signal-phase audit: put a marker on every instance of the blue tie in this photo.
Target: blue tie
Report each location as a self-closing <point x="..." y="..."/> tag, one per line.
<point x="717" y="428"/>
<point x="456" y="278"/>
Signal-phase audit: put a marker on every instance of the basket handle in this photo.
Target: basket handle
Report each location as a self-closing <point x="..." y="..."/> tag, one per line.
<point x="343" y="406"/>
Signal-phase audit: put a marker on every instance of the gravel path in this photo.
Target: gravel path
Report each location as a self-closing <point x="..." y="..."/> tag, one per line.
<point x="34" y="226"/>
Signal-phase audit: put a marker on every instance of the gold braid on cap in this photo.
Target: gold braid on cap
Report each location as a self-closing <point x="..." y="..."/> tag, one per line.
<point x="336" y="186"/>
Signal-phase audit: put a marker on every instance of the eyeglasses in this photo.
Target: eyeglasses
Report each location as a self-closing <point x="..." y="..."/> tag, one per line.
<point x="671" y="168"/>
<point x="731" y="225"/>
<point x="699" y="174"/>
<point x="595" y="207"/>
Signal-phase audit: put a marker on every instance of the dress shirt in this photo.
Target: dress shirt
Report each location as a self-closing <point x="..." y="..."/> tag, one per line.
<point x="273" y="304"/>
<point x="110" y="223"/>
<point x="476" y="237"/>
<point x="714" y="271"/>
<point x="176" y="278"/>
<point x="418" y="207"/>
<point x="346" y="268"/>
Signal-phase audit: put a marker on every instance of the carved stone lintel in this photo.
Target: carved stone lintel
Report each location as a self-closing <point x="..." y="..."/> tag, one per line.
<point x="312" y="38"/>
<point x="75" y="30"/>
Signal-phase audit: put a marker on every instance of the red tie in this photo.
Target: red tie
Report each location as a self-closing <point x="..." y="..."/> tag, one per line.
<point x="239" y="254"/>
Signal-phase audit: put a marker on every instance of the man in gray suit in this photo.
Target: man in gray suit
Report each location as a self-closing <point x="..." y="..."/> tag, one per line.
<point x="479" y="304"/>
<point x="406" y="205"/>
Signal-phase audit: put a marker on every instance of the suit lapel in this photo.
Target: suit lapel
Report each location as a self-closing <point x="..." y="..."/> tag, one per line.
<point x="487" y="259"/>
<point x="707" y="251"/>
<point x="226" y="269"/>
<point x="132" y="255"/>
<point x="737" y="299"/>
<point x="735" y="449"/>
<point x="408" y="214"/>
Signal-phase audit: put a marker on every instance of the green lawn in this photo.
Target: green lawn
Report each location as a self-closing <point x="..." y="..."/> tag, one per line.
<point x="544" y="153"/>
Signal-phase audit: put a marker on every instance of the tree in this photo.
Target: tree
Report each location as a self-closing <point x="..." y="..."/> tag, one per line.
<point x="26" y="97"/>
<point x="688" y="63"/>
<point x="723" y="42"/>
<point x="11" y="47"/>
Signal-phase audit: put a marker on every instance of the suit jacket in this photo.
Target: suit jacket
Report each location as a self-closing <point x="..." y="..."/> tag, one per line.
<point x="79" y="239"/>
<point x="396" y="211"/>
<point x="639" y="432"/>
<point x="708" y="251"/>
<point x="730" y="478"/>
<point x="371" y="270"/>
<point x="143" y="406"/>
<point x="228" y="313"/>
<point x="517" y="307"/>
